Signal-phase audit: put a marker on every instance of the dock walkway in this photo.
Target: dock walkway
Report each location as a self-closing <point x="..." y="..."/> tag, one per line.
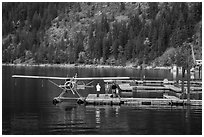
<point x="160" y="101"/>
<point x="173" y="88"/>
<point x="104" y="99"/>
<point x="170" y="97"/>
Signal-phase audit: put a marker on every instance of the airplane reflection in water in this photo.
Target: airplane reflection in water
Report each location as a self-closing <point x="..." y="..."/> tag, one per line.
<point x="109" y="118"/>
<point x="98" y="119"/>
<point x="70" y="119"/>
<point x="83" y="115"/>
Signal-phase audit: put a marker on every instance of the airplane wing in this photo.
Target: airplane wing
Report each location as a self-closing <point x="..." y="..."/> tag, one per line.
<point x="40" y="77"/>
<point x="103" y="78"/>
<point x="64" y="78"/>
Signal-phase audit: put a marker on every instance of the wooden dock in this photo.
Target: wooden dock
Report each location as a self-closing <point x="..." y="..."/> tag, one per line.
<point x="127" y="87"/>
<point x="170" y="97"/>
<point x="104" y="99"/>
<point x="171" y="94"/>
<point x="160" y="101"/>
<point x="173" y="88"/>
<point x="150" y="88"/>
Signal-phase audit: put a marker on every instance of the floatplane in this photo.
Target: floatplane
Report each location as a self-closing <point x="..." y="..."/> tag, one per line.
<point x="71" y="84"/>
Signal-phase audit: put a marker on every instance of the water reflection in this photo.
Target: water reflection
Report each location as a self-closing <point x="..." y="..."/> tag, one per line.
<point x="98" y="119"/>
<point x="174" y="73"/>
<point x="24" y="121"/>
<point x="27" y="108"/>
<point x="116" y="111"/>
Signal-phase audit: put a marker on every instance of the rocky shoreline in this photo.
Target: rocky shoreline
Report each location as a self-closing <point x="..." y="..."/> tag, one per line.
<point x="83" y="66"/>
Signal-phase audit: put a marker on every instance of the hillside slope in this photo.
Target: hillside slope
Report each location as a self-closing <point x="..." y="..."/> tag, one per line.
<point x="104" y="33"/>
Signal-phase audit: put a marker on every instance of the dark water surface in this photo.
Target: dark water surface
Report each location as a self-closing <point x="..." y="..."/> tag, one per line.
<point x="27" y="107"/>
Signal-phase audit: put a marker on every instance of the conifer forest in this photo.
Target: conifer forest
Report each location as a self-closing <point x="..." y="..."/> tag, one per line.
<point x="111" y="33"/>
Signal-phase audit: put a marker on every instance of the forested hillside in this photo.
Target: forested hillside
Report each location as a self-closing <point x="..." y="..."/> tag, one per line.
<point x="102" y="33"/>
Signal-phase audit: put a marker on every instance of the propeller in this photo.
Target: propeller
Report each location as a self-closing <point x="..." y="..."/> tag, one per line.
<point x="69" y="85"/>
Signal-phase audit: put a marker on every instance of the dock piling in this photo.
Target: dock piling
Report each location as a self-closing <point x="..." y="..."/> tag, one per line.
<point x="188" y="86"/>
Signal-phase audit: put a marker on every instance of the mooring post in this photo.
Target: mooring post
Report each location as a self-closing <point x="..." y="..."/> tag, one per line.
<point x="42" y="84"/>
<point x="182" y="83"/>
<point x="199" y="72"/>
<point x="144" y="80"/>
<point x="141" y="76"/>
<point x="14" y="82"/>
<point x="188" y="85"/>
<point x="177" y="75"/>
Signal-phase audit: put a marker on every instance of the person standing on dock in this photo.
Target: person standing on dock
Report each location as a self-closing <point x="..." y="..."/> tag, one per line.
<point x="106" y="89"/>
<point x="98" y="88"/>
<point x="114" y="87"/>
<point x="117" y="92"/>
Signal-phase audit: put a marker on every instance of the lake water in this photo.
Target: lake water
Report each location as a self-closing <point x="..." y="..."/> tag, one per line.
<point x="27" y="107"/>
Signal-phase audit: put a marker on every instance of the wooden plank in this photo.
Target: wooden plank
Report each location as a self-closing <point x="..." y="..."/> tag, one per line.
<point x="149" y="81"/>
<point x="172" y="87"/>
<point x="170" y="97"/>
<point x="154" y="81"/>
<point x="194" y="82"/>
<point x="125" y="86"/>
<point x="160" y="101"/>
<point x="151" y="88"/>
<point x="194" y="88"/>
<point x="196" y="102"/>
<point x="102" y="99"/>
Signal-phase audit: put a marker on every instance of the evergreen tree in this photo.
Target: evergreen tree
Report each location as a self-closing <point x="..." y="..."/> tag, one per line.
<point x="98" y="36"/>
<point x="152" y="10"/>
<point x="129" y="49"/>
<point x="122" y="6"/>
<point x="105" y="48"/>
<point x="114" y="48"/>
<point x="36" y="21"/>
